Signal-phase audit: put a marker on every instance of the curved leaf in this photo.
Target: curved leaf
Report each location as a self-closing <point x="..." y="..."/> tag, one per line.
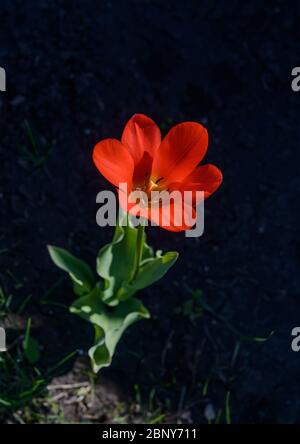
<point x="109" y="323"/>
<point x="116" y="263"/>
<point x="79" y="271"/>
<point x="151" y="270"/>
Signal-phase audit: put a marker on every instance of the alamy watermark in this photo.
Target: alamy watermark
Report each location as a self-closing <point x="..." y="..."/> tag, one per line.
<point x="2" y="340"/>
<point x="295" y="84"/>
<point x="295" y="344"/>
<point x="165" y="208"/>
<point x="2" y="79"/>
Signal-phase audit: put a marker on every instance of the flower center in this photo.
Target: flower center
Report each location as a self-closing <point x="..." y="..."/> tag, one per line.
<point x="148" y="186"/>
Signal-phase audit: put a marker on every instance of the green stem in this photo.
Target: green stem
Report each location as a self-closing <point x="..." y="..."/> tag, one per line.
<point x="139" y="248"/>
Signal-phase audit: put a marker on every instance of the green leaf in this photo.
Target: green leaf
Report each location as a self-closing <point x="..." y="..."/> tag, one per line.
<point x="151" y="270"/>
<point x="116" y="263"/>
<point x="148" y="252"/>
<point x="32" y="350"/>
<point x="109" y="322"/>
<point x="227" y="409"/>
<point x="30" y="346"/>
<point x="79" y="271"/>
<point x="115" y="260"/>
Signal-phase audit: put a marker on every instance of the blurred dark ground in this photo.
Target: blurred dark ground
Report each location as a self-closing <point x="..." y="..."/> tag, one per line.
<point x="76" y="71"/>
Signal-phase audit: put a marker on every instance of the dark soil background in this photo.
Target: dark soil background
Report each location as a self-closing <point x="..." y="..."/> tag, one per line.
<point x="76" y="71"/>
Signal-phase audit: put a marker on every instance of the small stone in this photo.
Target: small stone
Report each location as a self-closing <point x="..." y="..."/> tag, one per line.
<point x="209" y="412"/>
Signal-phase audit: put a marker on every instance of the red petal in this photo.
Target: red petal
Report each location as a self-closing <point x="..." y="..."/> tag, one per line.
<point x="113" y="161"/>
<point x="173" y="216"/>
<point x="141" y="134"/>
<point x="180" y="152"/>
<point x="142" y="171"/>
<point x="166" y="217"/>
<point x="205" y="178"/>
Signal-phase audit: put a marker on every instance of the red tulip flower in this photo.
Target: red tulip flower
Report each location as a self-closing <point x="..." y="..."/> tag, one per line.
<point x="156" y="179"/>
<point x="146" y="163"/>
